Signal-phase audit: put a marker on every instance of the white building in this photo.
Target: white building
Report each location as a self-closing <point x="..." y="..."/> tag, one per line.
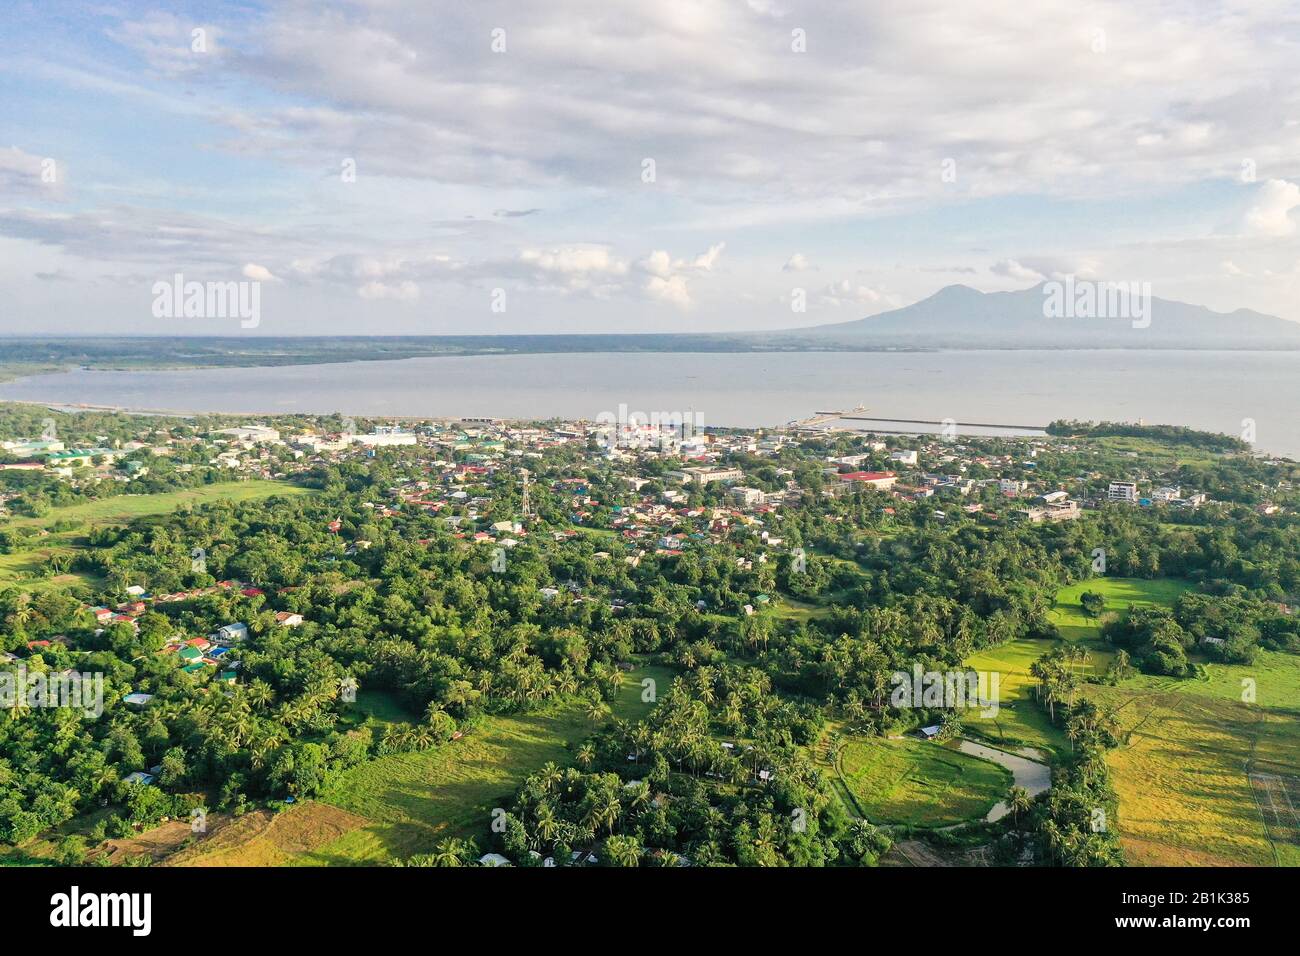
<point x="385" y="437"/>
<point x="319" y="443"/>
<point x="253" y="433"/>
<point x="749" y="497"/>
<point x="904" y="457"/>
<point x="1125" y="491"/>
<point x="702" y="476"/>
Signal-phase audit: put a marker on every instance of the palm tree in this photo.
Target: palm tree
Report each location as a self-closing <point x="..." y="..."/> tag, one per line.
<point x="441" y="723"/>
<point x="566" y="684"/>
<point x="1054" y="839"/>
<point x="623" y="850"/>
<point x="19" y="707"/>
<point x="586" y="755"/>
<point x="259" y="753"/>
<point x="1121" y="663"/>
<point x="853" y="708"/>
<point x="550" y="776"/>
<point x="451" y="852"/>
<point x="260" y="693"/>
<point x="546" y="824"/>
<point x="22" y="616"/>
<point x="641" y="738"/>
<point x="640" y="795"/>
<point x="1018" y="801"/>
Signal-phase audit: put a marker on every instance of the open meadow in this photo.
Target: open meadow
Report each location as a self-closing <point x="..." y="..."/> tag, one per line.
<point x="395" y="806"/>
<point x="29" y="567"/>
<point x="920" y="783"/>
<point x="1020" y="721"/>
<point x="1205" y="777"/>
<point x="120" y="509"/>
<point x="1202" y="769"/>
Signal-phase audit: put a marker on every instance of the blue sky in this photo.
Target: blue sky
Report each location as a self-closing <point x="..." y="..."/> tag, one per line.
<point x="858" y="153"/>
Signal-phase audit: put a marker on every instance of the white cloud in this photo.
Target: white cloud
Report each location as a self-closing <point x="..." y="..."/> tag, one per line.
<point x="258" y="273"/>
<point x="705" y="261"/>
<point x="1270" y="216"/>
<point x="669" y="278"/>
<point x="406" y="291"/>
<point x="458" y="147"/>
<point x="672" y="290"/>
<point x="23" y="174"/>
<point x="574" y="260"/>
<point x="169" y="44"/>
<point x="1013" y="269"/>
<point x="766" y="8"/>
<point x="1038" y="268"/>
<point x="745" y="121"/>
<point x="846" y="292"/>
<point x="658" y="263"/>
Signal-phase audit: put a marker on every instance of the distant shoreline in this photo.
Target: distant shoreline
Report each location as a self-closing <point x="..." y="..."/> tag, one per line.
<point x="219" y="352"/>
<point x="901" y="392"/>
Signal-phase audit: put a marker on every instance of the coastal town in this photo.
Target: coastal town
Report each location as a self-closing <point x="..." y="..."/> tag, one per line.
<point x="597" y="435"/>
<point x="479" y="571"/>
<point x="457" y="459"/>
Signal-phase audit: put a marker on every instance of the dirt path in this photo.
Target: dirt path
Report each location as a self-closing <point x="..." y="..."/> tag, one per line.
<point x="1033" y="776"/>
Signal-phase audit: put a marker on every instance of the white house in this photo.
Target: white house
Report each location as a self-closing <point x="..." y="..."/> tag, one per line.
<point x="232" y="632"/>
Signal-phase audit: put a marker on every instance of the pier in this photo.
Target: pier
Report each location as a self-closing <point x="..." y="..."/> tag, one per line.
<point x="922" y="421"/>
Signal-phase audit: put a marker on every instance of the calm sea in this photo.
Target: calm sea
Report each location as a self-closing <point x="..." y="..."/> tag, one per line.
<point x="1209" y="390"/>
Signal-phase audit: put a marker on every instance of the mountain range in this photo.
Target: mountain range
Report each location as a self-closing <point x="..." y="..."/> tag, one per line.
<point x="1049" y="315"/>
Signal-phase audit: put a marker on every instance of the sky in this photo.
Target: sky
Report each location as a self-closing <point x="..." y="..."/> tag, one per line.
<point x="388" y="167"/>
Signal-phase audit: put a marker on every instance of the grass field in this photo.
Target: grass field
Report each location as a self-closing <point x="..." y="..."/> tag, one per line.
<point x="1158" y="454"/>
<point x="920" y="783"/>
<point x="26" y="567"/>
<point x="399" y="805"/>
<point x="629" y="704"/>
<point x="1120" y="595"/>
<point x="787" y="608"/>
<point x="379" y="708"/>
<point x="123" y="508"/>
<point x="411" y="801"/>
<point x="1184" y="780"/>
<point x="1020" y="721"/>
